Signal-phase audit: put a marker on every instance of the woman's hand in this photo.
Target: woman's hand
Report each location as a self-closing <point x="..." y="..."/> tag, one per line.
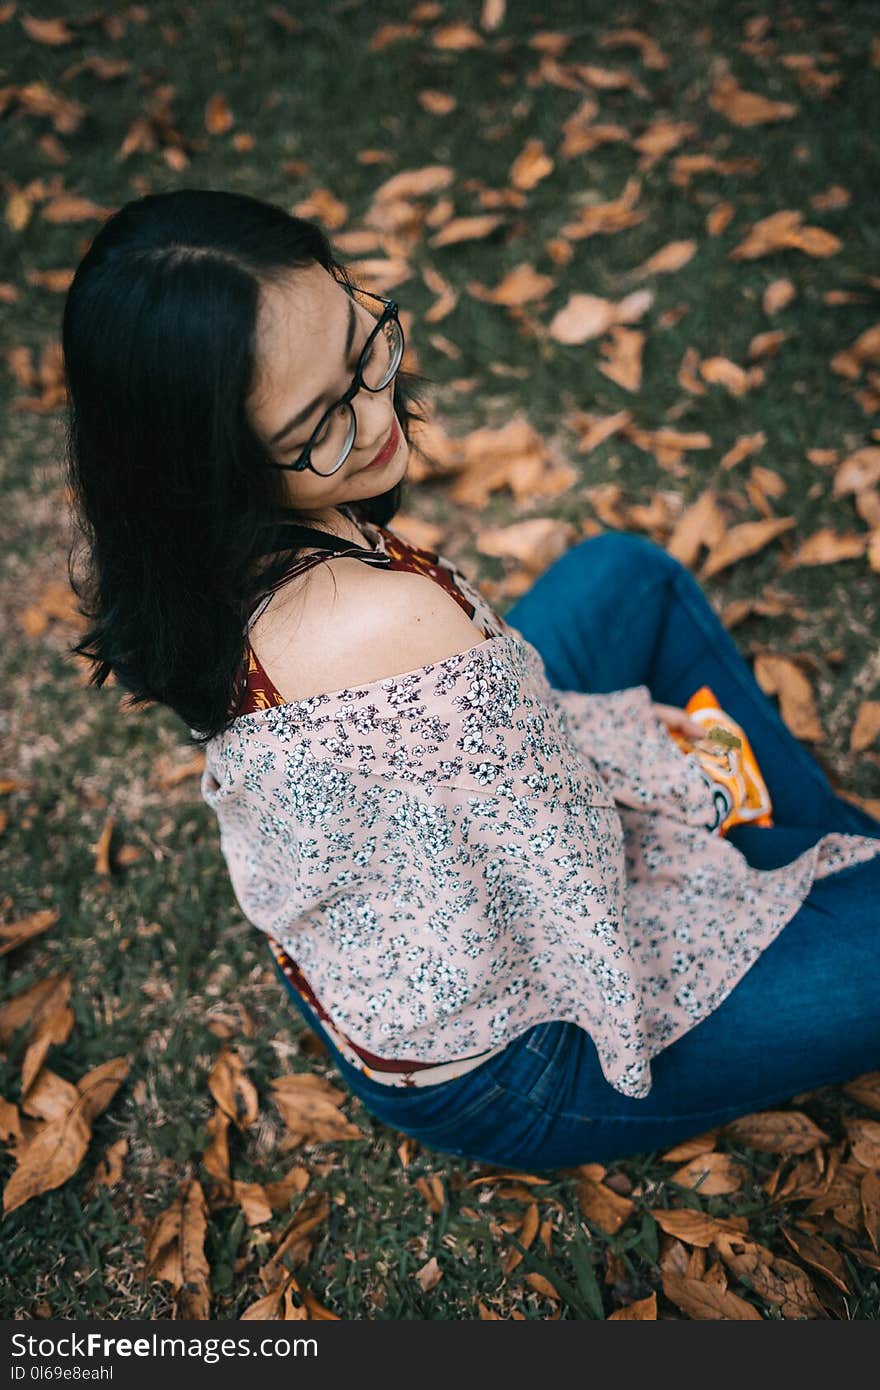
<point x="675" y="718"/>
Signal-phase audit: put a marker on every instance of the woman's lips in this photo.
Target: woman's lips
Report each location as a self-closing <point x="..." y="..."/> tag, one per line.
<point x="386" y="451"/>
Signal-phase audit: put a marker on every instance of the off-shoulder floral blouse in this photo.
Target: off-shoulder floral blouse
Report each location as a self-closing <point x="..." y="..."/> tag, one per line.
<point x="459" y="852"/>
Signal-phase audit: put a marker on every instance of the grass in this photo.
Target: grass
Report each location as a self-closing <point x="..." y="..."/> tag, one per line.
<point x="159" y="954"/>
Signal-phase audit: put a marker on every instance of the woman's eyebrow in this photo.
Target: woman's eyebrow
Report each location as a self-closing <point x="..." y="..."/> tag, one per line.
<point x="302" y="415"/>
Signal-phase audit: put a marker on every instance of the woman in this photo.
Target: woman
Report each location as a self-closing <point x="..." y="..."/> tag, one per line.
<point x="491" y="881"/>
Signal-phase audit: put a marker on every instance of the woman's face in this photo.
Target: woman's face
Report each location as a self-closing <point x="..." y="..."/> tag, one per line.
<point x="301" y="334"/>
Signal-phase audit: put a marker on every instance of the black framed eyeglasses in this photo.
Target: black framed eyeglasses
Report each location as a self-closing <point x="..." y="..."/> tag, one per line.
<point x="333" y="438"/>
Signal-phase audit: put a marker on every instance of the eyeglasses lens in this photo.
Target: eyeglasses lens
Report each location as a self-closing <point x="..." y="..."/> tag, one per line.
<point x="334" y="444"/>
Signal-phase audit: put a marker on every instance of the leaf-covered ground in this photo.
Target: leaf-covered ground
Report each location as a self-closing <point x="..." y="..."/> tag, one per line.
<point x="638" y="258"/>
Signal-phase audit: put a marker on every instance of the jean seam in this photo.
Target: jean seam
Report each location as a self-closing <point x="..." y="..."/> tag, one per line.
<point x="698" y="1117"/>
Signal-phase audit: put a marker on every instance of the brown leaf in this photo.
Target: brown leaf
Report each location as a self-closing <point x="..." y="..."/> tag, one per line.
<point x="51" y="1157"/>
<point x="50" y="1097"/>
<point x="254" y="1202"/>
<point x="10" y="1124"/>
<point x="295" y="1242"/>
<point x="782" y="231"/>
<point x="522" y="285"/>
<point x="712" y="1174"/>
<point x="745" y="446"/>
<point x="719" y="218"/>
<point x="597" y="428"/>
<point x="175" y="1251"/>
<point x="604" y="1208"/>
<point x="50" y="31"/>
<point x="429" y="1275"/>
<point x="675" y="255"/>
<point x="745" y="539"/>
<point x="745" y="108"/>
<point x="459" y="229"/>
<point x="865" y="1089"/>
<point x="651" y="53"/>
<point x="778" y="295"/>
<point x="869" y="1258"/>
<point x="643" y="1310"/>
<point x="273" y="1304"/>
<point x="778" y="675"/>
<point x="858" y="471"/>
<point x="766" y="344"/>
<point x="279" y="1193"/>
<point x="788" y="1288"/>
<point x="581" y="318"/>
<point x="869" y="1193"/>
<point x="542" y="1286"/>
<point x="526" y="1235"/>
<point x="99" y="1086"/>
<point x="700" y="524"/>
<point x="69" y="207"/>
<point x="14" y="934"/>
<point x="431" y="1189"/>
<point x="707" y="1301"/>
<point x="531" y="165"/>
<point x="18" y="210"/>
<point x="722" y="371"/>
<point x="52" y="1026"/>
<point x="216" y="1154"/>
<point x="309" y="1106"/>
<point x="776" y="1132"/>
<point x="218" y="117"/>
<point x="32" y="1006"/>
<point x="827" y="547"/>
<point x="233" y="1089"/>
<point x="866" y="729"/>
<point x="109" y="1170"/>
<point x="695" y="1228"/>
<point x="691" y="1148"/>
<point x="535" y="543"/>
<point x="623" y="353"/>
<point x="817" y="1252"/>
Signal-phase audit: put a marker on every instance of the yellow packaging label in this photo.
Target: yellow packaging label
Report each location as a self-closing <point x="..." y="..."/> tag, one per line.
<point x="725" y="753"/>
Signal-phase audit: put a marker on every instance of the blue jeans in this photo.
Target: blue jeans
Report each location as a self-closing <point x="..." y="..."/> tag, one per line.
<point x="617" y="611"/>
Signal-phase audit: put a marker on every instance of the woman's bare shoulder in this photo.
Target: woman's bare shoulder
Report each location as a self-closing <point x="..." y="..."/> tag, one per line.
<point x="356" y="623"/>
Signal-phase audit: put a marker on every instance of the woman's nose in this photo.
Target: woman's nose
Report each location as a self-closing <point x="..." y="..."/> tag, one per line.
<point x="373" y="420"/>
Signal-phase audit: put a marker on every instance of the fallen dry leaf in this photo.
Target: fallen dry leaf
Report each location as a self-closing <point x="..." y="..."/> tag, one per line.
<point x="776" y="1132"/>
<point x="643" y="1310"/>
<point x="744" y="108"/>
<point x="429" y="1276"/>
<point x="865" y="1089"/>
<point x="675" y="255"/>
<point x="623" y="357"/>
<point x="704" y="1301"/>
<point x="711" y="1174"/>
<point x="16" y="933"/>
<point x="866" y="729"/>
<point x="49" y="1097"/>
<point x="233" y="1089"/>
<point x="218" y="117"/>
<point x="743" y="540"/>
<point x="109" y="1170"/>
<point x="296" y="1240"/>
<point x="785" y="231"/>
<point x="604" y="1208"/>
<point x="309" y="1106"/>
<point x="175" y="1251"/>
<point x="51" y="1157"/>
<point x="778" y="675"/>
<point x="702" y="524"/>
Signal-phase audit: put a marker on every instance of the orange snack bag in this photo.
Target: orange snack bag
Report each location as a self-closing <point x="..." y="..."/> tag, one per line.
<point x="739" y="791"/>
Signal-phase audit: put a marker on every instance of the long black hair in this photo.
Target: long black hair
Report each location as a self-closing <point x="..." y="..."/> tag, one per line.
<point x="169" y="482"/>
